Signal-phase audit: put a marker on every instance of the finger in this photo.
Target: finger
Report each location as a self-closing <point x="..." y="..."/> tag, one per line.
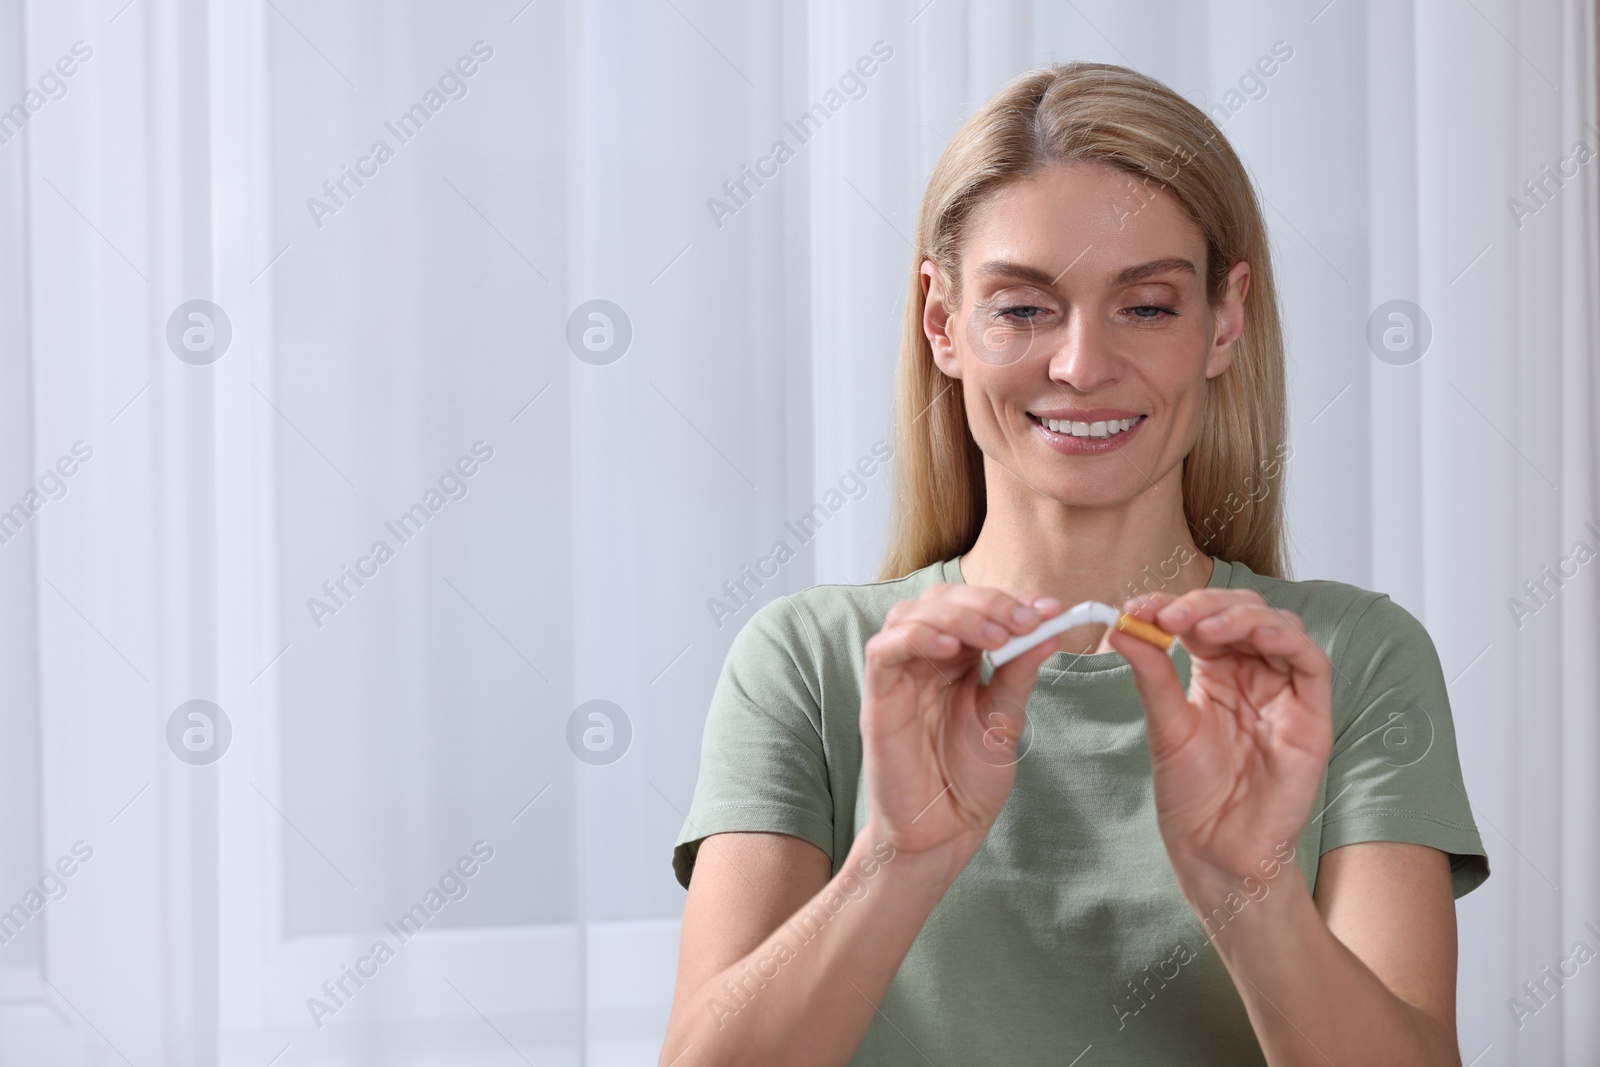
<point x="1167" y="712"/>
<point x="912" y="641"/>
<point x="1147" y="606"/>
<point x="1241" y="629"/>
<point x="1289" y="651"/>
<point x="1231" y="627"/>
<point x="1000" y="711"/>
<point x="982" y="618"/>
<point x="1184" y="611"/>
<point x="1296" y="648"/>
<point x="987" y="598"/>
<point x="1224" y="630"/>
<point x="1002" y="598"/>
<point x="1012" y="682"/>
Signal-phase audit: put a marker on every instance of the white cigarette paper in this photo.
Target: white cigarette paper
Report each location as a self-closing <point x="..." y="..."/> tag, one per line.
<point x="1077" y="615"/>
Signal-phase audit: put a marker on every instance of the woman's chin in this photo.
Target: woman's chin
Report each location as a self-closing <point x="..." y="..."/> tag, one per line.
<point x="1081" y="493"/>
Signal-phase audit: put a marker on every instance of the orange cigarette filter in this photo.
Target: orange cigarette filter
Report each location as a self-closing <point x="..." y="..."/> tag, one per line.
<point x="1144" y="631"/>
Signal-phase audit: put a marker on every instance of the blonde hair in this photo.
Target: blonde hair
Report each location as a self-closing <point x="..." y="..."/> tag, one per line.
<point x="1096" y="113"/>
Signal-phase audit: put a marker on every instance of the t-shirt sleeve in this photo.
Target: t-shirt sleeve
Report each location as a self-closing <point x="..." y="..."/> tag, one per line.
<point x="1395" y="773"/>
<point x="762" y="764"/>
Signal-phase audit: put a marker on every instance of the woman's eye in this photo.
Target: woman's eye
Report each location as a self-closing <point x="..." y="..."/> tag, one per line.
<point x="1022" y="312"/>
<point x="1159" y="312"/>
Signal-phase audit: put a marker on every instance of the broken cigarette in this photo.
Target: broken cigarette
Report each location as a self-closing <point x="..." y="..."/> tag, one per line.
<point x="1145" y="631"/>
<point x="1081" y="615"/>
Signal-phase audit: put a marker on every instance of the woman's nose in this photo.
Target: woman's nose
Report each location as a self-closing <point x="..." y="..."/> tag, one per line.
<point x="1083" y="358"/>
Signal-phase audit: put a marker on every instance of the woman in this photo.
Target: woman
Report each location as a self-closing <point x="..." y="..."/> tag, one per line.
<point x="1244" y="851"/>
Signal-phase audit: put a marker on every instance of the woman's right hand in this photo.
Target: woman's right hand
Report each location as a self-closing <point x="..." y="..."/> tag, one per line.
<point x="939" y="748"/>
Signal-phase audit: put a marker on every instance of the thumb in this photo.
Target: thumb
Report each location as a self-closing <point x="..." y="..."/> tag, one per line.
<point x="1165" y="703"/>
<point x="1011" y="684"/>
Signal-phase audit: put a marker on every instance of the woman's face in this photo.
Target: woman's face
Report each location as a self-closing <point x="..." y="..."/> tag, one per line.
<point x="1084" y="339"/>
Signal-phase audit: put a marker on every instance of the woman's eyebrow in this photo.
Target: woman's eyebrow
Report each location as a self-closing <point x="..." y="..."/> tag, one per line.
<point x="1021" y="271"/>
<point x="1004" y="268"/>
<point x="1153" y="268"/>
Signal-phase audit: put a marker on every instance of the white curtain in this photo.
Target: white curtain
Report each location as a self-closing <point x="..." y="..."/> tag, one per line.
<point x="394" y="716"/>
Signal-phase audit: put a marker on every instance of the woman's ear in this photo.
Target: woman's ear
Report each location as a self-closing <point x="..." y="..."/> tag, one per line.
<point x="936" y="320"/>
<point x="1229" y="320"/>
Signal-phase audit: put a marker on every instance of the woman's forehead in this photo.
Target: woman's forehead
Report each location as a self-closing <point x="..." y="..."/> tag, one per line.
<point x="1078" y="221"/>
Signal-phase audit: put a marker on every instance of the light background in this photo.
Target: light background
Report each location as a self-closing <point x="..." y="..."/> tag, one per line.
<point x="431" y="311"/>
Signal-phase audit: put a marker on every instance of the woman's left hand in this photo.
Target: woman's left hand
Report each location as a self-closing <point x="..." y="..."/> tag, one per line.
<point x="1238" y="759"/>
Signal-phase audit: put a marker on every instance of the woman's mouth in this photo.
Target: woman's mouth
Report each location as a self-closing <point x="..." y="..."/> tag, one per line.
<point x="1084" y="437"/>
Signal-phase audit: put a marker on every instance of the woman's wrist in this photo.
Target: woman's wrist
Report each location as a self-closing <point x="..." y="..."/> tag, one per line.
<point x="1209" y="886"/>
<point x="931" y="868"/>
<point x="1255" y="937"/>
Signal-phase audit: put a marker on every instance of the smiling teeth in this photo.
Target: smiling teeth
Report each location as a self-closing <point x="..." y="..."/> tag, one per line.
<point x="1089" y="429"/>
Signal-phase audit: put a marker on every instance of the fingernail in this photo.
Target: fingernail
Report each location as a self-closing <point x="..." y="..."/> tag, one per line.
<point x="1211" y="625"/>
<point x="1022" y="615"/>
<point x="991" y="631"/>
<point x="1173" y="615"/>
<point x="1046" y="603"/>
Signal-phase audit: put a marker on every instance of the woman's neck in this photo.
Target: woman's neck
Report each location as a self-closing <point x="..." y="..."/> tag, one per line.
<point x="1032" y="543"/>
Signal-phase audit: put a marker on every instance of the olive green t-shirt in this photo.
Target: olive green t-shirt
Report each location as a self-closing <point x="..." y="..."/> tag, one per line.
<point x="1067" y="931"/>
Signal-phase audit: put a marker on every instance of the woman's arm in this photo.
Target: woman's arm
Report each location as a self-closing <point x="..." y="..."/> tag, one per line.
<point x="1364" y="972"/>
<point x="779" y="963"/>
